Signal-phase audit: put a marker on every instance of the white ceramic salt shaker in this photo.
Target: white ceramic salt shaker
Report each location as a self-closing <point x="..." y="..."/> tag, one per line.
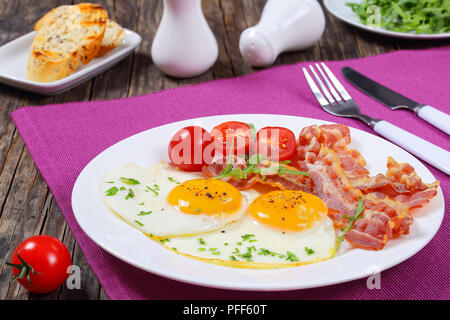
<point x="285" y="25"/>
<point x="184" y="45"/>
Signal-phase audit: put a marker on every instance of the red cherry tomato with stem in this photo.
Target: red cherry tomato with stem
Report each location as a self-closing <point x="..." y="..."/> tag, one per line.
<point x="191" y="148"/>
<point x="232" y="134"/>
<point x="40" y="264"/>
<point x="275" y="143"/>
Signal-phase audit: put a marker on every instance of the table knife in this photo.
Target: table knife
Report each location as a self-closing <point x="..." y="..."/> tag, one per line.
<point x="394" y="100"/>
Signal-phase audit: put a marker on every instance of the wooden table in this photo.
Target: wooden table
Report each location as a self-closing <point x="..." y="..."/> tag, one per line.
<point x="27" y="206"/>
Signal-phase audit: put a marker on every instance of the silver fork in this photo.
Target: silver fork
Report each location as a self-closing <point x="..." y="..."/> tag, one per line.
<point x="335" y="100"/>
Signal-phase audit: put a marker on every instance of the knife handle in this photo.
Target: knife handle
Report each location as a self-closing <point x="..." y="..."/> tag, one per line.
<point x="421" y="148"/>
<point x="437" y="118"/>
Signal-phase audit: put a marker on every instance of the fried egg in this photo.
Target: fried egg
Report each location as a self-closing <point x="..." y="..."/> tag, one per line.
<point x="162" y="201"/>
<point x="280" y="229"/>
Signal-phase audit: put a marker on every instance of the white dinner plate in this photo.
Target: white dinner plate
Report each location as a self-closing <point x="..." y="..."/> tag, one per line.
<point x="14" y="58"/>
<point x="150" y="147"/>
<point x="340" y="10"/>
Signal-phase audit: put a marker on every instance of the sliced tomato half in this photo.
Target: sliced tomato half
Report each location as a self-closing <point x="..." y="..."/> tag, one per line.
<point x="232" y="134"/>
<point x="275" y="143"/>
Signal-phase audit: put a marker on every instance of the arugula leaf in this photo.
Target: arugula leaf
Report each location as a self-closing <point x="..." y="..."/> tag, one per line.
<point x="419" y="16"/>
<point x="252" y="166"/>
<point x="351" y="223"/>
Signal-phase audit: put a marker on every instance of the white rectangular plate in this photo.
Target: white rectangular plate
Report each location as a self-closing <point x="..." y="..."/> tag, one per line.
<point x="14" y="57"/>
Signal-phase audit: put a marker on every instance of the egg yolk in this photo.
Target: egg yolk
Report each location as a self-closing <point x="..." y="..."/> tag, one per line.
<point x="206" y="196"/>
<point x="288" y="210"/>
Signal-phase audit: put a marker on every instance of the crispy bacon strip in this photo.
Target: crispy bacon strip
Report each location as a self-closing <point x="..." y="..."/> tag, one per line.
<point x="330" y="183"/>
<point x="383" y="219"/>
<point x="340" y="177"/>
<point x="400" y="183"/>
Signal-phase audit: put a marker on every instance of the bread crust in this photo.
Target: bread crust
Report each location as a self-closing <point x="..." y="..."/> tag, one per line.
<point x="114" y="36"/>
<point x="49" y="62"/>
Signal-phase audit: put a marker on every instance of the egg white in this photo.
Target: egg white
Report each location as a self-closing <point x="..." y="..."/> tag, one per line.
<point x="249" y="243"/>
<point x="145" y="207"/>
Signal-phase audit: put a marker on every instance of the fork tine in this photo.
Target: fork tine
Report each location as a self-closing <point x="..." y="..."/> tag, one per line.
<point x="345" y="95"/>
<point x="315" y="90"/>
<point x="330" y="86"/>
<point x="322" y="86"/>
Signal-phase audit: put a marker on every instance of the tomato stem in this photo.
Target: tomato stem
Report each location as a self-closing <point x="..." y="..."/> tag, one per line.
<point x="24" y="270"/>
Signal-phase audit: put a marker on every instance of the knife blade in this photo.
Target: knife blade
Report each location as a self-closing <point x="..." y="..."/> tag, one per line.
<point x="379" y="92"/>
<point x="395" y="100"/>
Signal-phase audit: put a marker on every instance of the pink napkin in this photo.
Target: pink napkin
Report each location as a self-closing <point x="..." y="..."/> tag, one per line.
<point x="62" y="139"/>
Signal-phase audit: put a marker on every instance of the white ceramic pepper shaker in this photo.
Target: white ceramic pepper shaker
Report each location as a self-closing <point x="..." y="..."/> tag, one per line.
<point x="184" y="45"/>
<point x="285" y="25"/>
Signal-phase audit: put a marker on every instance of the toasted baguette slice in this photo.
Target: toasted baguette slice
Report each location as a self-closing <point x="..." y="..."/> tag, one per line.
<point x="114" y="36"/>
<point x="67" y="37"/>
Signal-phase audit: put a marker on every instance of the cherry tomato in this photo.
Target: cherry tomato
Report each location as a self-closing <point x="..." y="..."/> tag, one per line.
<point x="40" y="264"/>
<point x="276" y="143"/>
<point x="232" y="133"/>
<point x="191" y="148"/>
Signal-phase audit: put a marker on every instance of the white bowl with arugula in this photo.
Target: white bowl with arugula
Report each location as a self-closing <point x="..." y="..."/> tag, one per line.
<point x="414" y="19"/>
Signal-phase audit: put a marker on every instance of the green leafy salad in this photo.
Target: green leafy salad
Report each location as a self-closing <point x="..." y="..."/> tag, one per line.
<point x="420" y="16"/>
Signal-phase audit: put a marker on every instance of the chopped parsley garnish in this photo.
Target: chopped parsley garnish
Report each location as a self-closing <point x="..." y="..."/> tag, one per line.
<point x="198" y="210"/>
<point x="164" y="240"/>
<point x="247" y="255"/>
<point x="129" y="181"/>
<point x="291" y="257"/>
<point x="214" y="251"/>
<point x="246" y="237"/>
<point x="143" y="213"/>
<point x="142" y="203"/>
<point x="351" y="223"/>
<point x="152" y="190"/>
<point x="109" y="181"/>
<point x="173" y="180"/>
<point x="201" y="241"/>
<point x="233" y="258"/>
<point x="130" y="194"/>
<point x="267" y="252"/>
<point x="139" y="223"/>
<point x="111" y="192"/>
<point x="309" y="251"/>
<point x="123" y="188"/>
<point x="174" y="249"/>
<point x="201" y="249"/>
